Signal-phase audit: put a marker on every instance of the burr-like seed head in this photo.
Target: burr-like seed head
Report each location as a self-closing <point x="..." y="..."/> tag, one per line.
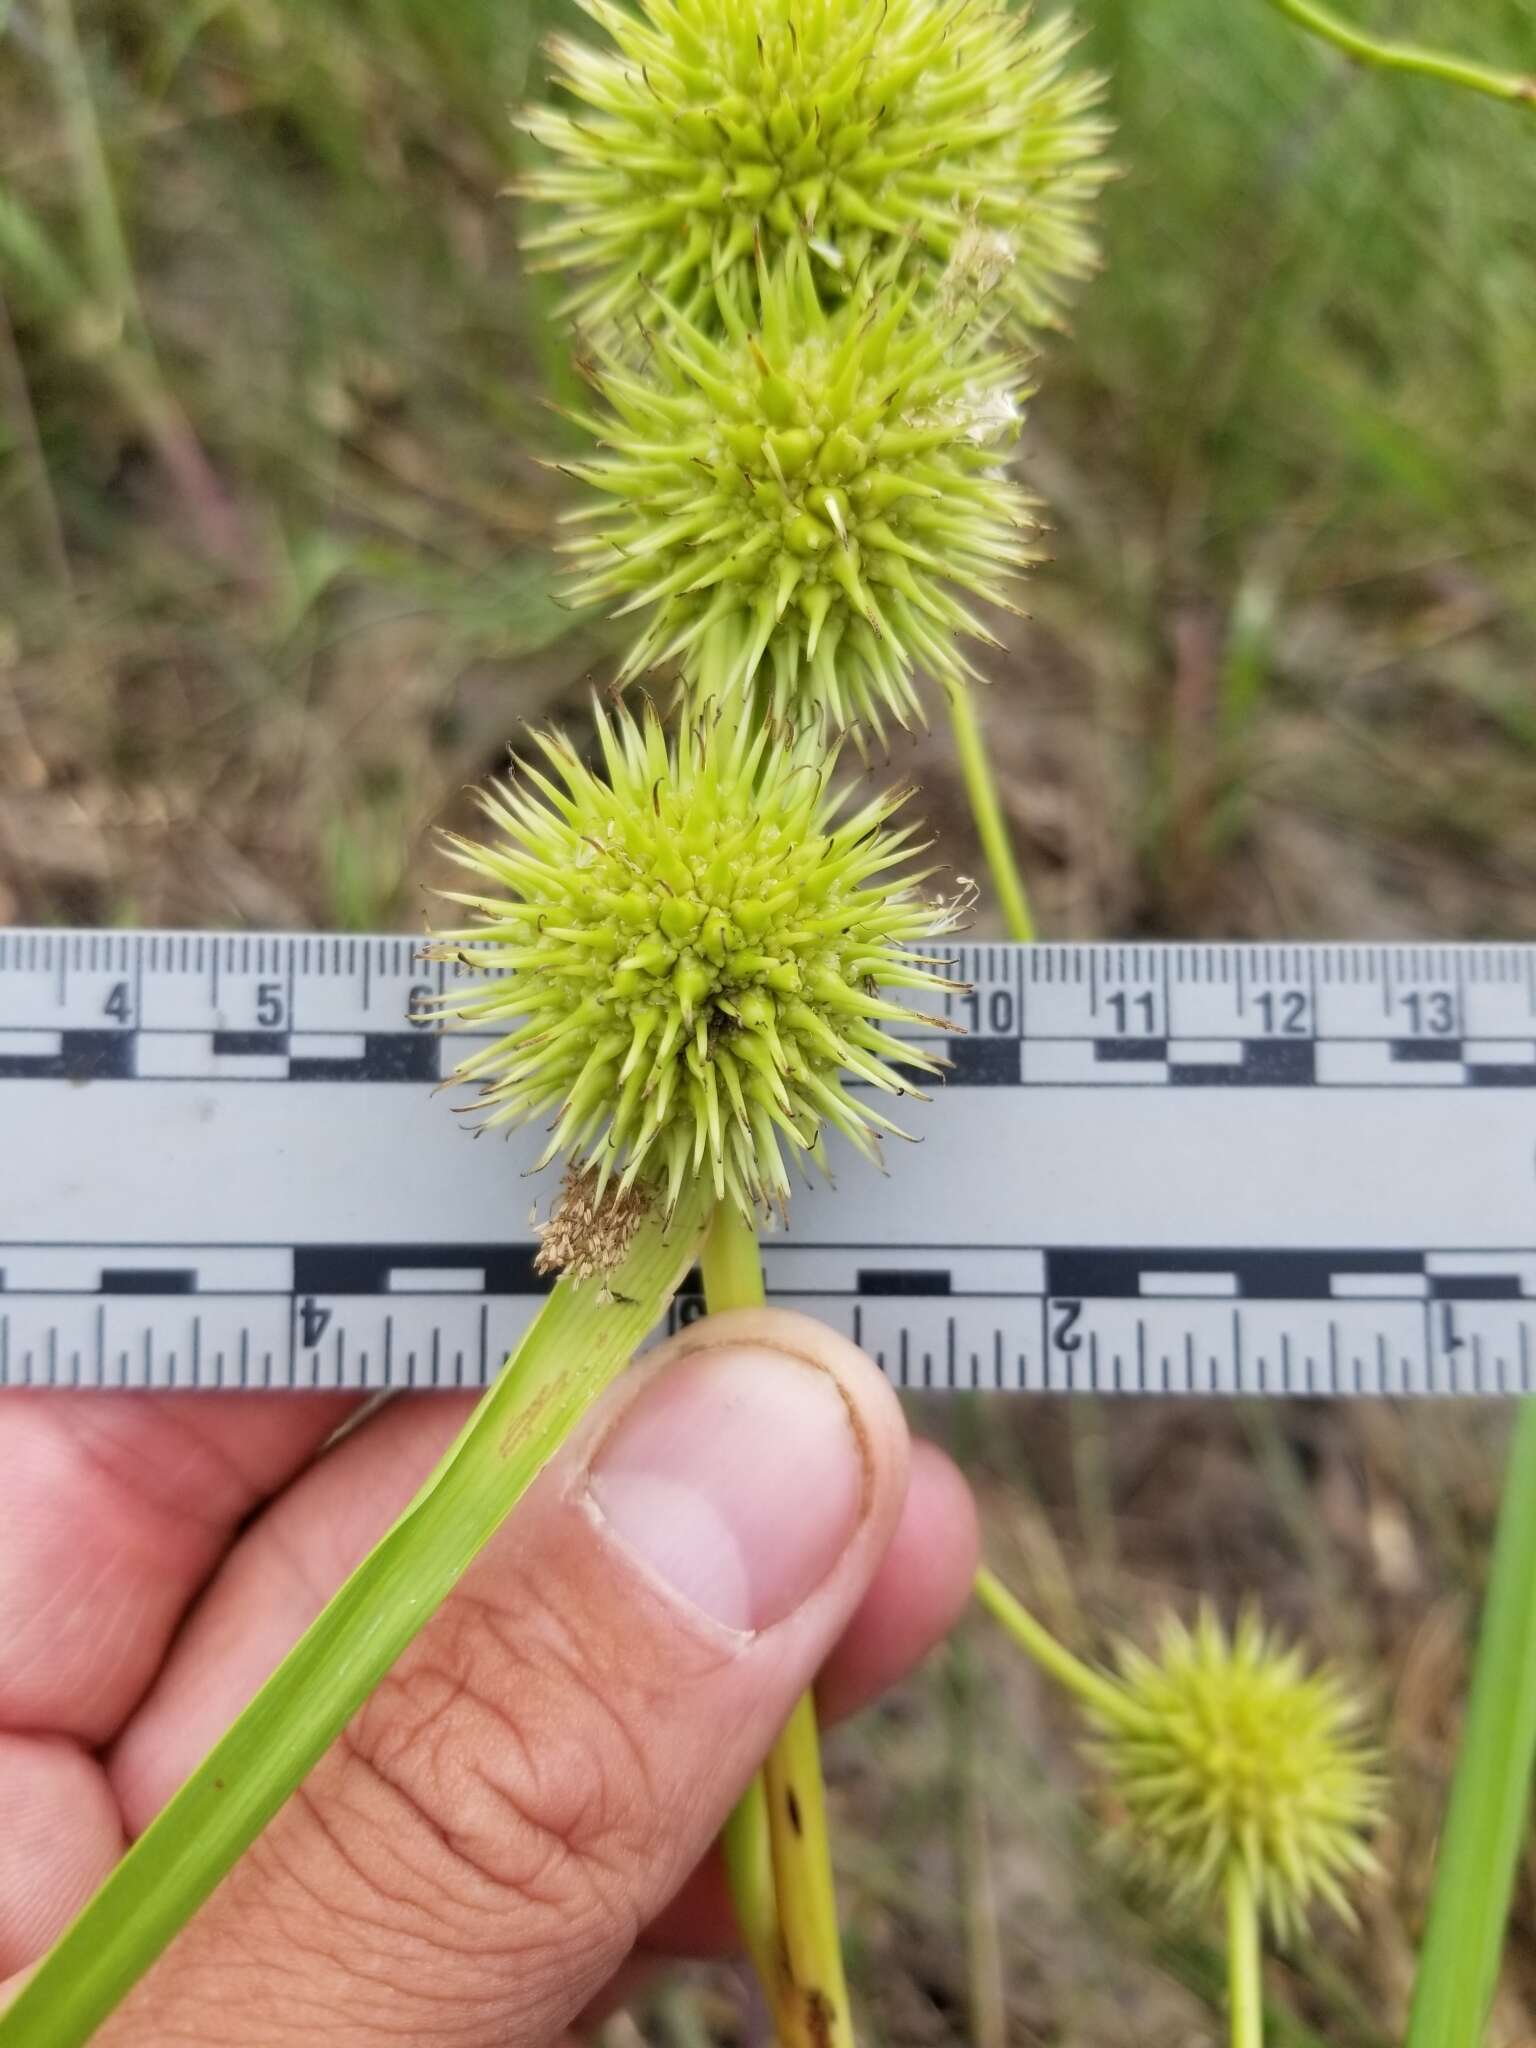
<point x="843" y="130"/>
<point x="693" y="953"/>
<point x="1226" y="1747"/>
<point x="801" y="511"/>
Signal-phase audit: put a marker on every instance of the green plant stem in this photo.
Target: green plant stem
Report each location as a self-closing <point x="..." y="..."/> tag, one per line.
<point x="582" y="1339"/>
<point x="986" y="2000"/>
<point x="1390" y="56"/>
<point x="778" y="1853"/>
<point x="733" y="1278"/>
<point x="730" y="1263"/>
<point x="110" y="263"/>
<point x="813" y="2005"/>
<point x="1488" y="1816"/>
<point x="1245" y="1976"/>
<point x="987" y="810"/>
<point x="17" y="410"/>
<point x="1100" y="1694"/>
<point x="748" y="1854"/>
<point x="90" y="331"/>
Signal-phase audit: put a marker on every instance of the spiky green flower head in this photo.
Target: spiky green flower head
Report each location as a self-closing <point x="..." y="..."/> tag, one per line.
<point x="1228" y="1747"/>
<point x="840" y="129"/>
<point x="688" y="952"/>
<point x="800" y="510"/>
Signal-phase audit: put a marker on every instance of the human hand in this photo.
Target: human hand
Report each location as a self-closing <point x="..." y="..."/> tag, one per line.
<point x="519" y="1822"/>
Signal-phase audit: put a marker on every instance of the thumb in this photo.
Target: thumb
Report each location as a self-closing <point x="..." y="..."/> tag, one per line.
<point x="557" y="1750"/>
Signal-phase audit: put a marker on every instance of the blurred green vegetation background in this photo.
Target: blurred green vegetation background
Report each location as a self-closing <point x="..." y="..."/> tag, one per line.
<point x="275" y="567"/>
<point x="276" y="582"/>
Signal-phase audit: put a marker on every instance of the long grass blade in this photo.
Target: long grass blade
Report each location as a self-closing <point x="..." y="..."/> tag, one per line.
<point x="1488" y="1818"/>
<point x="581" y="1341"/>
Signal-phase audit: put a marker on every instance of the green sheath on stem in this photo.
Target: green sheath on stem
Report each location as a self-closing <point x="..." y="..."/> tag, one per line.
<point x="582" y="1340"/>
<point x="1245" y="1978"/>
<point x="733" y="1278"/>
<point x="749" y="1873"/>
<point x="1487" y="1822"/>
<point x="730" y="1264"/>
<point x="777" y="1851"/>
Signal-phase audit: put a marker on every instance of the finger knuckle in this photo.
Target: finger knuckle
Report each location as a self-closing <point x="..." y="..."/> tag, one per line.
<point x="489" y="1802"/>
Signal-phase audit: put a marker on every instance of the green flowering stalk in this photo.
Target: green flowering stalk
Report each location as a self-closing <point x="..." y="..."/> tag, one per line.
<point x="689" y="951"/>
<point x="797" y="508"/>
<point x="825" y="214"/>
<point x="832" y="210"/>
<point x="841" y="132"/>
<point x="1516" y="87"/>
<point x="1240" y="1774"/>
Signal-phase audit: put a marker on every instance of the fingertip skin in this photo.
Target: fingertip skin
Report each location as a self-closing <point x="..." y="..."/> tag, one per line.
<point x="921" y="1588"/>
<point x="873" y="1407"/>
<point x="534" y="1780"/>
<point x="60" y="1834"/>
<point x="919" y="1593"/>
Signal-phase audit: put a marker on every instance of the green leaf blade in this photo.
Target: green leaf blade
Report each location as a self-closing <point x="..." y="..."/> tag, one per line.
<point x="580" y="1342"/>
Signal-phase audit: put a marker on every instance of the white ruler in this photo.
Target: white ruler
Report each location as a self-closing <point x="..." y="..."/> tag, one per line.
<point x="1184" y="1169"/>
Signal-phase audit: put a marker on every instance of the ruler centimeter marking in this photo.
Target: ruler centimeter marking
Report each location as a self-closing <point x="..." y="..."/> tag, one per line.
<point x="1273" y="1169"/>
